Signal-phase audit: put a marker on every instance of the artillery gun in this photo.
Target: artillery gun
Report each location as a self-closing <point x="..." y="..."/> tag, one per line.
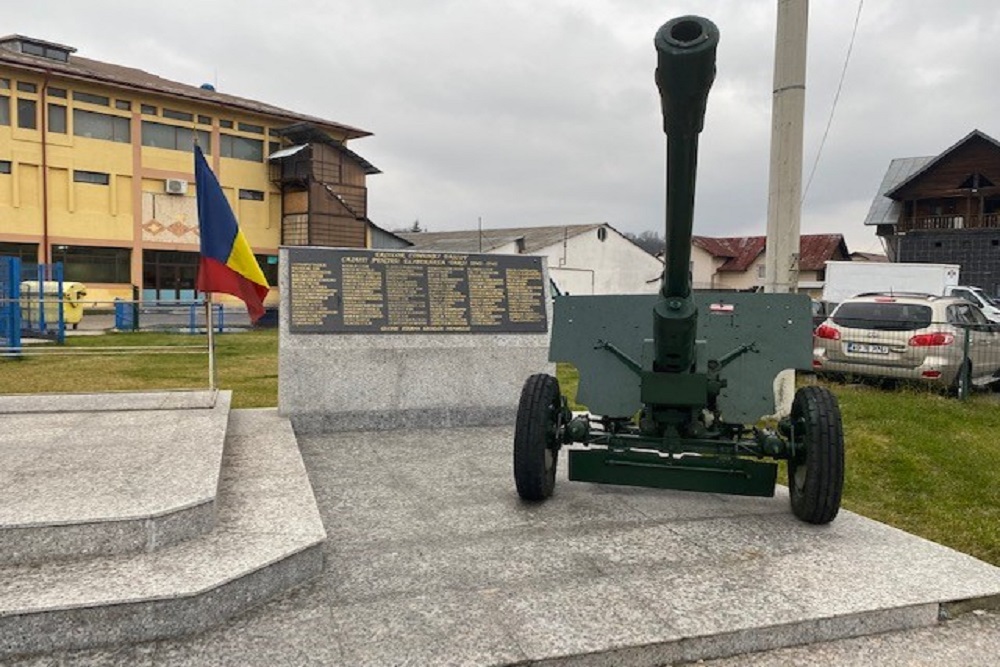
<point x="682" y="380"/>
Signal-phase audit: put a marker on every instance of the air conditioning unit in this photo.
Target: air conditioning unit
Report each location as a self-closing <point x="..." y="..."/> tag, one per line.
<point x="176" y="186"/>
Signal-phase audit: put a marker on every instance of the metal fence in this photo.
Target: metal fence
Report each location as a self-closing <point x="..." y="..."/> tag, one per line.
<point x="186" y="319"/>
<point x="192" y="317"/>
<point x="953" y="356"/>
<point x="10" y="311"/>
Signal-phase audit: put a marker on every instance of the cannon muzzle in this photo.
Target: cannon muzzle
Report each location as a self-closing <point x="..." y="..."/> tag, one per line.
<point x="685" y="70"/>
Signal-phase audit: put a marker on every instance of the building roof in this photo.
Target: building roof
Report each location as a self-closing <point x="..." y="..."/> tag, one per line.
<point x="305" y="133"/>
<point x="130" y="78"/>
<point x="534" y="238"/>
<point x="885" y="209"/>
<point x="975" y="134"/>
<point x="740" y="252"/>
<point x="858" y="256"/>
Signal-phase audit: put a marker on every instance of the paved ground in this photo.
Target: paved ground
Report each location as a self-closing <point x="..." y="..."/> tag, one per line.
<point x="432" y="560"/>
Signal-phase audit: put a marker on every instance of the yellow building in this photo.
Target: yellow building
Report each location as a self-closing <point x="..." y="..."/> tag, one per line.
<point x="96" y="172"/>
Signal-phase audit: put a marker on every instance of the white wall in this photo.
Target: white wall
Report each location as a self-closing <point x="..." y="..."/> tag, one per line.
<point x="587" y="265"/>
<point x="703" y="268"/>
<point x="752" y="278"/>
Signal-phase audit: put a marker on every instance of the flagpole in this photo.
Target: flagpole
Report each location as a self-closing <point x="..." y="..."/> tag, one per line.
<point x="211" y="341"/>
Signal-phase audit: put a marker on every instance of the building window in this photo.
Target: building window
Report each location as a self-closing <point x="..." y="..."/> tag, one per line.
<point x="5" y="166"/>
<point x="273" y="147"/>
<point x="762" y="271"/>
<point x="173" y="137"/>
<point x="228" y="124"/>
<point x="602" y="233"/>
<point x="95" y="125"/>
<point x="94" y="265"/>
<point x="26" y="252"/>
<point x="93" y="177"/>
<point x="242" y="148"/>
<point x="269" y="265"/>
<point x="91" y="99"/>
<point x="26" y="87"/>
<point x="56" y="92"/>
<point x="35" y="49"/>
<point x="255" y="129"/>
<point x="178" y="115"/>
<point x="27" y="114"/>
<point x="124" y="105"/>
<point x="148" y="109"/>
<point x="57" y="118"/>
<point x="4" y="110"/>
<point x="4" y="84"/>
<point x="252" y="195"/>
<point x="205" y="120"/>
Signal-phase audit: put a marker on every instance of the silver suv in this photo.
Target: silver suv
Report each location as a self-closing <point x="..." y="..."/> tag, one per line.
<point x="908" y="337"/>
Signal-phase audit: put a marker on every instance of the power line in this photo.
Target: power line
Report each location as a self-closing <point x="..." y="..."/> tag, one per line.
<point x="836" y="98"/>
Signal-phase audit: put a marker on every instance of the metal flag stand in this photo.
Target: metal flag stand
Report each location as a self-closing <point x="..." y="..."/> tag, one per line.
<point x="211" y="341"/>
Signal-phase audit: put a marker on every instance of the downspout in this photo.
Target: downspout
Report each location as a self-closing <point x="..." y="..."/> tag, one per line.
<point x="46" y="255"/>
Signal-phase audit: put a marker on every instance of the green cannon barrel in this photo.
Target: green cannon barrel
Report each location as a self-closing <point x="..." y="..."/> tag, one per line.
<point x="685" y="71"/>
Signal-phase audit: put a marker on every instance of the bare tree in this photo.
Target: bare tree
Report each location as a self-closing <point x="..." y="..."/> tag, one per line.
<point x="415" y="227"/>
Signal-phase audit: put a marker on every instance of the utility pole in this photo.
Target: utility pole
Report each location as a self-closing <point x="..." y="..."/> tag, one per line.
<point x="784" y="205"/>
<point x="784" y="201"/>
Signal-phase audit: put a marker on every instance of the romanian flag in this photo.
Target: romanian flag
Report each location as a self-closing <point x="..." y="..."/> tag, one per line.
<point x="227" y="262"/>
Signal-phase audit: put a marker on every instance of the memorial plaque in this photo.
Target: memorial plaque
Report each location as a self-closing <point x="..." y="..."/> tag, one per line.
<point x="389" y="291"/>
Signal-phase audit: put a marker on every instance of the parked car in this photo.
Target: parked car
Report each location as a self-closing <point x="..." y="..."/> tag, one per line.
<point x="915" y="337"/>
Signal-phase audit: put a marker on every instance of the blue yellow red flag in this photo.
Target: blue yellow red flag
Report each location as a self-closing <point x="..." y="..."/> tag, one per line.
<point x="227" y="263"/>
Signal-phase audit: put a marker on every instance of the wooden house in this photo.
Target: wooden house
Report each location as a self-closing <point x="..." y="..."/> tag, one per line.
<point x="945" y="209"/>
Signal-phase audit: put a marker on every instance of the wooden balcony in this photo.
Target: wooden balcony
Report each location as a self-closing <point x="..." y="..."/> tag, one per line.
<point x="951" y="221"/>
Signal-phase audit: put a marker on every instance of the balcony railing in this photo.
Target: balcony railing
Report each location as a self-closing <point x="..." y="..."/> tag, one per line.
<point x="952" y="221"/>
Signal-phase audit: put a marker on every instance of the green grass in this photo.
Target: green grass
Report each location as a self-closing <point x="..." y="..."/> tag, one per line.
<point x="919" y="461"/>
<point x="246" y="362"/>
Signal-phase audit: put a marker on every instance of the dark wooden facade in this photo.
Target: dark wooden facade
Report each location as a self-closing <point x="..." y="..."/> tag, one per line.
<point x="959" y="190"/>
<point x="324" y="196"/>
<point x="949" y="212"/>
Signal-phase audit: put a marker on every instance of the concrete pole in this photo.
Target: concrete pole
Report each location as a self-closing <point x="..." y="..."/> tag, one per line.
<point x="784" y="208"/>
<point x="787" y="119"/>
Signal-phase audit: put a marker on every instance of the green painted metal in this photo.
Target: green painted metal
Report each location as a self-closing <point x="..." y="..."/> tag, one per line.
<point x="685" y="70"/>
<point x="779" y="325"/>
<point x="739" y="476"/>
<point x="674" y="390"/>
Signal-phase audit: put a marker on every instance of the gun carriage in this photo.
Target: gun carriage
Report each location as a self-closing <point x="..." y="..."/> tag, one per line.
<point x="679" y="383"/>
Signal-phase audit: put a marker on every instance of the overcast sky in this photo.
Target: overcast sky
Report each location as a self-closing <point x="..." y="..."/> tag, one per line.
<point x="542" y="112"/>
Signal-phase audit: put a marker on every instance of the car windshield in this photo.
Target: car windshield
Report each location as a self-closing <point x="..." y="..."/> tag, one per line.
<point x="883" y="316"/>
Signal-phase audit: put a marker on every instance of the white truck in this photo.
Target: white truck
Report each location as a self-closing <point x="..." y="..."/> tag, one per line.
<point x="846" y="279"/>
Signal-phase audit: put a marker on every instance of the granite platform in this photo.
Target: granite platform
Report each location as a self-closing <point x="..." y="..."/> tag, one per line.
<point x="433" y="560"/>
<point x="265" y="536"/>
<point x="100" y="474"/>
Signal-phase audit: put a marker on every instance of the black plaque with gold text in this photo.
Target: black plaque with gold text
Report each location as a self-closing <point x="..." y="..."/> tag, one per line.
<point x="335" y="290"/>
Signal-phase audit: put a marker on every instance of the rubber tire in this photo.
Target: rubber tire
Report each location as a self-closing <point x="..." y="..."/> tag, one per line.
<point x="536" y="451"/>
<point x="816" y="478"/>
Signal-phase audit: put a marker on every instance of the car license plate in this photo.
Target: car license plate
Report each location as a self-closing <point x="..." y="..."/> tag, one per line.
<point x="867" y="348"/>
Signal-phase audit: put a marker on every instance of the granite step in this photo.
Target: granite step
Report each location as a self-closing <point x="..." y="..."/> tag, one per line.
<point x="84" y="475"/>
<point x="267" y="539"/>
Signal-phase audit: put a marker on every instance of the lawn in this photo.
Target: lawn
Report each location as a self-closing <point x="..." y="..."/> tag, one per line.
<point x="246" y="362"/>
<point x="916" y="460"/>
